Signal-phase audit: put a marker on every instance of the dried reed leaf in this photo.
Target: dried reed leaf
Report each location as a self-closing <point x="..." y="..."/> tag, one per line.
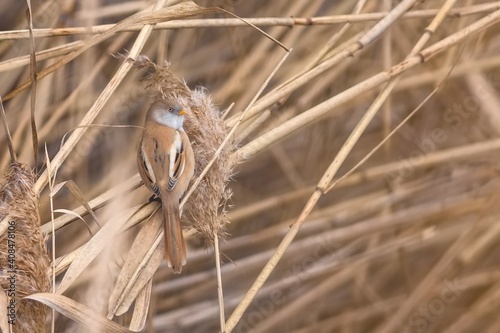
<point x="95" y="203"/>
<point x="92" y="248"/>
<point x="141" y="307"/>
<point x="75" y="190"/>
<point x="78" y="312"/>
<point x="72" y="213"/>
<point x="136" y="256"/>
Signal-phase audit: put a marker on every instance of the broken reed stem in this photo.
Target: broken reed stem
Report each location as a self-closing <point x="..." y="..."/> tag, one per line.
<point x="260" y="22"/>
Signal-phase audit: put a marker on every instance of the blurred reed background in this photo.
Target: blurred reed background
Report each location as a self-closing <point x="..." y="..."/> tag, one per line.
<point x="407" y="242"/>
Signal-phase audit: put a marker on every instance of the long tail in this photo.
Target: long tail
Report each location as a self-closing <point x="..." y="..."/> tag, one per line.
<point x="175" y="248"/>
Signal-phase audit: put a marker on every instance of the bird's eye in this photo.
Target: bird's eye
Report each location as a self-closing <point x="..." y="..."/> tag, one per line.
<point x="170" y="109"/>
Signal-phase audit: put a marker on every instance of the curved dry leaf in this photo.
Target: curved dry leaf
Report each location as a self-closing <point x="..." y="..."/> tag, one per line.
<point x="139" y="253"/>
<point x="75" y="190"/>
<point x="96" y="203"/>
<point x="70" y="212"/>
<point x="92" y="248"/>
<point x="141" y="308"/>
<point x="80" y="313"/>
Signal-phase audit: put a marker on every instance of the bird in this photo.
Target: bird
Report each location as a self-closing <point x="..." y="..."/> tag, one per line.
<point x="166" y="163"/>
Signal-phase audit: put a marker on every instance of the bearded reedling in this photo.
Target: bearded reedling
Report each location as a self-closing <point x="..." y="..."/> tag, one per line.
<point x="166" y="164"/>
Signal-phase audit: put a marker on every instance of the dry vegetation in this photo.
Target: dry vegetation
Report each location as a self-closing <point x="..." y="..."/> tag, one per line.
<point x="363" y="169"/>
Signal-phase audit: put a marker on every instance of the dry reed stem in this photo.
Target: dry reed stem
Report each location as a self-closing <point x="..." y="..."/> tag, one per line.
<point x="333" y="168"/>
<point x="8" y="137"/>
<point x="422" y="290"/>
<point x="481" y="307"/>
<point x="50" y="53"/>
<point x="34" y="78"/>
<point x="261" y="22"/>
<point x="425" y="238"/>
<point x="220" y="293"/>
<point x="383" y="142"/>
<point x="382" y="97"/>
<point x="316" y="112"/>
<point x="53" y="232"/>
<point x="349" y="179"/>
<point x="185" y="9"/>
<point x="89" y="79"/>
<point x="216" y="155"/>
<point x="432" y="159"/>
<point x="323" y="183"/>
<point x="294" y="307"/>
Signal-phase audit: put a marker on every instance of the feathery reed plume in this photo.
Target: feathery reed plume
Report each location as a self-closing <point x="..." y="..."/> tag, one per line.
<point x="23" y="256"/>
<point x="205" y="209"/>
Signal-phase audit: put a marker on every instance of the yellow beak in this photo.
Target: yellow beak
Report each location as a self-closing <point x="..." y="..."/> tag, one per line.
<point x="183" y="112"/>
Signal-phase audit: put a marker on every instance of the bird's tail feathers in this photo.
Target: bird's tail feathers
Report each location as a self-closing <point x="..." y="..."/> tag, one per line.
<point x="175" y="248"/>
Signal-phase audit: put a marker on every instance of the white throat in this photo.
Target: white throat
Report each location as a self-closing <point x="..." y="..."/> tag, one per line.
<point x="169" y="119"/>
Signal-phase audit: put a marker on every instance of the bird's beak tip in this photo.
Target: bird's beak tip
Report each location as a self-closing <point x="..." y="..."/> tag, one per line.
<point x="183" y="112"/>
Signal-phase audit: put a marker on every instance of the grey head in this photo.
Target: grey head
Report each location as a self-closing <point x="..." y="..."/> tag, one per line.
<point x="168" y="113"/>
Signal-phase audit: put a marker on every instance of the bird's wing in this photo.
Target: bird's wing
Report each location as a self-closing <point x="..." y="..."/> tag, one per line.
<point x="146" y="171"/>
<point x="177" y="161"/>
